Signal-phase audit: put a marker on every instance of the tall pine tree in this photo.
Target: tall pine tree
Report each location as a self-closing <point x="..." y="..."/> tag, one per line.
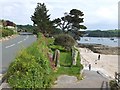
<point x="41" y="19"/>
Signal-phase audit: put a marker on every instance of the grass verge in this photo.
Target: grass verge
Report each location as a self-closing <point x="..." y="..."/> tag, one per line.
<point x="66" y="66"/>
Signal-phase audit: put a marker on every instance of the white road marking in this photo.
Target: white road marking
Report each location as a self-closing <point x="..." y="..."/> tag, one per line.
<point x="9" y="46"/>
<point x="19" y="42"/>
<point x="25" y="38"/>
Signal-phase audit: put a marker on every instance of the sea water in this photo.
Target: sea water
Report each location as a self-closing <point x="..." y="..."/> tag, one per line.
<point x="114" y="42"/>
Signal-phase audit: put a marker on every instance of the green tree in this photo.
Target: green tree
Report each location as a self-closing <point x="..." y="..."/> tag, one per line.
<point x="71" y="23"/>
<point x="41" y="19"/>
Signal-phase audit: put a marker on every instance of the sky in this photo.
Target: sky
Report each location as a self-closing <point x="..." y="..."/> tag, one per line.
<point x="98" y="14"/>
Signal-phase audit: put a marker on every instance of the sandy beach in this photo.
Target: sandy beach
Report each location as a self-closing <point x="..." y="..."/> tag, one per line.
<point x="108" y="64"/>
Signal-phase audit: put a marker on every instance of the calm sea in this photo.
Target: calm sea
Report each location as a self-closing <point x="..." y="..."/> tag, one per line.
<point x="114" y="42"/>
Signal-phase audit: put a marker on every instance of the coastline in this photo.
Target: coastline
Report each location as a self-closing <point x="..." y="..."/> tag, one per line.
<point x="101" y="49"/>
<point x="108" y="64"/>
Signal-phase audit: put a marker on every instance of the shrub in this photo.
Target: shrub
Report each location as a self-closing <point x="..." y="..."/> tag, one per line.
<point x="54" y="47"/>
<point x="50" y="41"/>
<point x="0" y="33"/>
<point x="31" y="69"/>
<point x="7" y="32"/>
<point x="65" y="40"/>
<point x="113" y="85"/>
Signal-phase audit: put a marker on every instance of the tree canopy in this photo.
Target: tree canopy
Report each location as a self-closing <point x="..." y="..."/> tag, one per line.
<point x="41" y="19"/>
<point x="71" y="22"/>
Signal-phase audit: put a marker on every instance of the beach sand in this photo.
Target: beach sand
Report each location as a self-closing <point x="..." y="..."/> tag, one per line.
<point x="108" y="64"/>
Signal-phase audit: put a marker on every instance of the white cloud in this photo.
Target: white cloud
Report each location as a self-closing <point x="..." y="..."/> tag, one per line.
<point x="96" y="11"/>
<point x="110" y="12"/>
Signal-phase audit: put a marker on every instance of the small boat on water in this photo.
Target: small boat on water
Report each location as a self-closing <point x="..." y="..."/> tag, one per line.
<point x="115" y="41"/>
<point x="112" y="39"/>
<point x="86" y="39"/>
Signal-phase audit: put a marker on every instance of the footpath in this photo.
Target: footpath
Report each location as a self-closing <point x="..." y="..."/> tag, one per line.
<point x="107" y="65"/>
<point x="92" y="80"/>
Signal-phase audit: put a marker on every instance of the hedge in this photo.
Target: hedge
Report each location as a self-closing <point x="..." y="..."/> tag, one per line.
<point x="31" y="69"/>
<point x="65" y="40"/>
<point x="7" y="32"/>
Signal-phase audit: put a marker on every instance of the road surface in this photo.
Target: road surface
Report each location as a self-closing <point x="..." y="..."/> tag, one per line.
<point x="10" y="48"/>
<point x="92" y="81"/>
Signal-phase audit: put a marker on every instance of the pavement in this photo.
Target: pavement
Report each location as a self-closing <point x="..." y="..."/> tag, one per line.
<point x="11" y="48"/>
<point x="92" y="79"/>
<point x="108" y="64"/>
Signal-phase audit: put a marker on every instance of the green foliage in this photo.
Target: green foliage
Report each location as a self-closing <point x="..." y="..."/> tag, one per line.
<point x="72" y="71"/>
<point x="65" y="59"/>
<point x="65" y="40"/>
<point x="41" y="19"/>
<point x="66" y="66"/>
<point x="56" y="31"/>
<point x="99" y="33"/>
<point x="50" y="41"/>
<point x="69" y="70"/>
<point x="27" y="28"/>
<point x="54" y="47"/>
<point x="7" y="32"/>
<point x="71" y="23"/>
<point x="113" y="85"/>
<point x="31" y="69"/>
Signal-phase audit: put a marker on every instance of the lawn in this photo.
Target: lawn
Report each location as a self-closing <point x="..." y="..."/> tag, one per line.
<point x="65" y="59"/>
<point x="66" y="67"/>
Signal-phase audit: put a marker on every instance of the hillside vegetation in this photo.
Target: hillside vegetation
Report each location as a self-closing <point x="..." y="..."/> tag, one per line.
<point x="27" y="28"/>
<point x="99" y="33"/>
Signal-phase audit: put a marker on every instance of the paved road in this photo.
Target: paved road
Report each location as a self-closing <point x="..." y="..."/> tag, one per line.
<point x="12" y="47"/>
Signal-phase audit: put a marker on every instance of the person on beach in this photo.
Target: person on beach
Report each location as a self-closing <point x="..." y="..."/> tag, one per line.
<point x="99" y="57"/>
<point x="89" y="67"/>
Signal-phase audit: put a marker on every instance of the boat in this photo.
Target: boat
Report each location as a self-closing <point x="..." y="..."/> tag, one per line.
<point x="86" y="39"/>
<point x="115" y="41"/>
<point x="112" y="39"/>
